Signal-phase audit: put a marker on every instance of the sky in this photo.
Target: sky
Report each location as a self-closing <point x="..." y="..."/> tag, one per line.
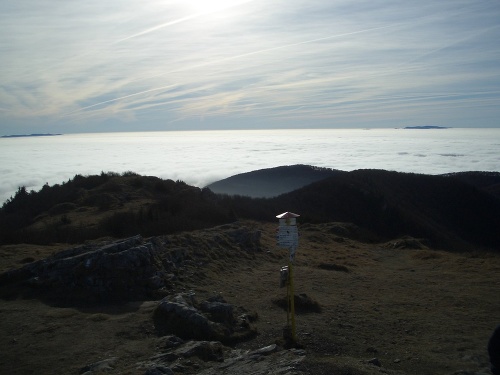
<point x="122" y="65"/>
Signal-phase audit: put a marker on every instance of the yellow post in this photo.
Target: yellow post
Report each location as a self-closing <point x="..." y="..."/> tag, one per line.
<point x="291" y="299"/>
<point x="288" y="308"/>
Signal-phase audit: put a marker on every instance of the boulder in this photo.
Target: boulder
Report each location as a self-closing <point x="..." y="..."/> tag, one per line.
<point x="183" y="316"/>
<point x="131" y="269"/>
<point x="212" y="358"/>
<point x="124" y="270"/>
<point x="104" y="365"/>
<point x="205" y="350"/>
<point x="218" y="311"/>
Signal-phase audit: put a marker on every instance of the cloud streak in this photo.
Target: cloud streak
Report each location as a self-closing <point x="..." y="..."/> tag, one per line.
<point x="119" y="65"/>
<point x="156" y="28"/>
<point x="217" y="62"/>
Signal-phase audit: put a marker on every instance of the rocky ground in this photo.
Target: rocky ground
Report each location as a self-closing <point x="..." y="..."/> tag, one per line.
<point x="362" y="308"/>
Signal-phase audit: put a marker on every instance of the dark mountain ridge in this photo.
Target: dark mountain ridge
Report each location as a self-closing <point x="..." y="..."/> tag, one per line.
<point x="270" y="182"/>
<point x="454" y="212"/>
<point x="443" y="209"/>
<point x="487" y="181"/>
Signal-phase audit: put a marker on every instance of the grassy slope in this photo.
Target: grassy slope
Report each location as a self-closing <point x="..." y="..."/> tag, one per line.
<point x="419" y="311"/>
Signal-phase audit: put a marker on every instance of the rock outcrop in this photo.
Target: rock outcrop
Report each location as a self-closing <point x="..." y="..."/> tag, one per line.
<point x="130" y="269"/>
<point x="213" y="358"/>
<point x="214" y="319"/>
<point x="123" y="270"/>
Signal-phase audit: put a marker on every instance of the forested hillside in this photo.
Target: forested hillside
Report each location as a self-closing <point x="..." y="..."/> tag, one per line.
<point x="456" y="212"/>
<point x="109" y="204"/>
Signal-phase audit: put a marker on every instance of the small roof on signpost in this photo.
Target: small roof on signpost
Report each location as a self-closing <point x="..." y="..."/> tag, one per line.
<point x="287" y="215"/>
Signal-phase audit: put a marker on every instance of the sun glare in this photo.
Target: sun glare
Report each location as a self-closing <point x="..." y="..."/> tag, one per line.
<point x="211" y="6"/>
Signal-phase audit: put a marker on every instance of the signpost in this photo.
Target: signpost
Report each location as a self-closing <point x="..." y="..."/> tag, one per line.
<point x="288" y="237"/>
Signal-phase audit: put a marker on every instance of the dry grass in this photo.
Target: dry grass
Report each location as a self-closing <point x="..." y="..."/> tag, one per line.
<point x="15" y="256"/>
<point x="417" y="311"/>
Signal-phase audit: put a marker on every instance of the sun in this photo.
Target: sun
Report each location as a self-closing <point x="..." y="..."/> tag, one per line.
<point x="211" y="6"/>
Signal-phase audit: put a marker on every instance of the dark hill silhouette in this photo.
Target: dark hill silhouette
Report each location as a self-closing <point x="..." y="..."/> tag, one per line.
<point x="109" y="204"/>
<point x="455" y="212"/>
<point x="271" y="182"/>
<point x="443" y="209"/>
<point x="451" y="210"/>
<point x="487" y="181"/>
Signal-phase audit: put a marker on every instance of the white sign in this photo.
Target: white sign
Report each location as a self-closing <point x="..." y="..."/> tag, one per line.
<point x="288" y="236"/>
<point x="288" y="221"/>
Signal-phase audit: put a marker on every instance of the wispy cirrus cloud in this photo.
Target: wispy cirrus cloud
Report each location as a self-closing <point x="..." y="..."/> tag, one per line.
<point x="97" y="66"/>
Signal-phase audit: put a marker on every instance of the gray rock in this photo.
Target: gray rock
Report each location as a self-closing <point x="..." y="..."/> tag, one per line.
<point x="205" y="350"/>
<point x="130" y="269"/>
<point x="183" y="320"/>
<point x="104" y="365"/>
<point x="179" y="316"/>
<point x="375" y="362"/>
<point x="123" y="270"/>
<point x="285" y="362"/>
<point x="266" y="350"/>
<point x="217" y="359"/>
<point x="219" y="311"/>
<point x="160" y="370"/>
<point x="169" y="342"/>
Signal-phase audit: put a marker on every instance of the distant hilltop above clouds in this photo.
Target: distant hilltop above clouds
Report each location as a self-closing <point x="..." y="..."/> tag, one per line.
<point x="426" y="127"/>
<point x="29" y="135"/>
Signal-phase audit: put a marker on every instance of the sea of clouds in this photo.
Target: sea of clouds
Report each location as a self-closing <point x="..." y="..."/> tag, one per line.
<point x="201" y="157"/>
